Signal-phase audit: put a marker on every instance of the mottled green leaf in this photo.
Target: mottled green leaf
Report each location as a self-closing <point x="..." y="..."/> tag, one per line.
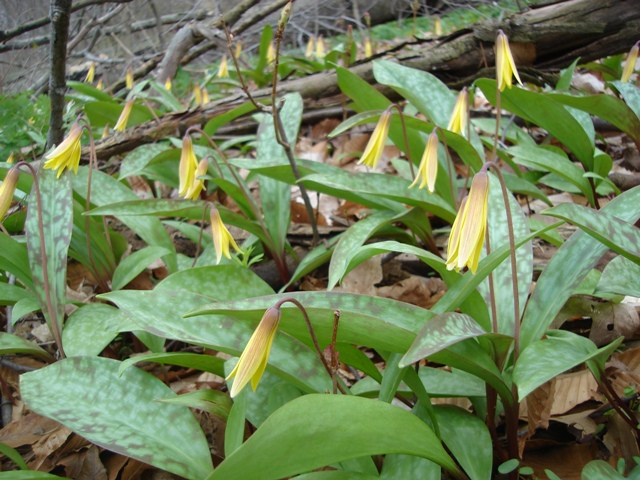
<point x="12" y="344"/>
<point x="599" y="470"/>
<point x="91" y="91"/>
<point x="102" y="113"/>
<point x="161" y="313"/>
<point x="10" y="294"/>
<point x="87" y="395"/>
<point x="340" y="475"/>
<point x="90" y="329"/>
<point x="620" y="236"/>
<point x="57" y="223"/>
<point x="138" y="159"/>
<point x="206" y="363"/>
<point x="131" y="266"/>
<point x="620" y="277"/>
<point x="342" y="427"/>
<point x="220" y="282"/>
<point x="566" y="269"/>
<point x="15" y="259"/>
<point x="214" y="402"/>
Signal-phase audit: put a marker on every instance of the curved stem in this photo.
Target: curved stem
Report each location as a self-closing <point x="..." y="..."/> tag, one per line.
<point x="53" y="316"/>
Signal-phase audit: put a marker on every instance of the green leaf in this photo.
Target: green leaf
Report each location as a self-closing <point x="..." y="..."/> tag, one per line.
<point x="15" y="259"/>
<point x="13" y="455"/>
<point x="566" y="76"/>
<point x="342" y="427"/>
<point x="212" y="401"/>
<point x="30" y="475"/>
<point x="57" y="222"/>
<point x="107" y="113"/>
<point x="131" y="266"/>
<point x="216" y="122"/>
<point x="138" y="159"/>
<point x="545" y="112"/>
<point x="161" y="313"/>
<point x="206" y="363"/>
<point x="619" y="277"/>
<point x="91" y="91"/>
<point x="353" y="239"/>
<point x="106" y="190"/>
<point x="12" y="344"/>
<point x="468" y="439"/>
<point x="409" y="466"/>
<point x="549" y="357"/>
<point x="600" y="470"/>
<point x="566" y="269"/>
<point x="340" y="475"/>
<point x="618" y="235"/>
<point x="90" y="329"/>
<point x="219" y="282"/>
<point x="11" y="294"/>
<point x="87" y="395"/>
<point x="24" y="307"/>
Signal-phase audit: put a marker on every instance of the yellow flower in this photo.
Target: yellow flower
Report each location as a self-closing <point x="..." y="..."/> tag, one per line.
<point x="505" y="66"/>
<point x="221" y="236"/>
<point x="197" y="93"/>
<point x="438" y="26"/>
<point x="11" y="158"/>
<point x="167" y="84"/>
<point x="121" y="124"/>
<point x="271" y="53"/>
<point x="205" y="96"/>
<point x="188" y="166"/>
<point x="467" y="233"/>
<point x="100" y="84"/>
<point x="253" y="361"/>
<point x="67" y="154"/>
<point x="310" y="48"/>
<point x="129" y="78"/>
<point x="91" y="73"/>
<point x="238" y="49"/>
<point x="459" y="117"/>
<point x="374" y="148"/>
<point x="428" y="169"/>
<point x="630" y="64"/>
<point x="320" y="48"/>
<point x="223" y="70"/>
<point x="7" y="189"/>
<point x="368" y="51"/>
<point x="198" y="184"/>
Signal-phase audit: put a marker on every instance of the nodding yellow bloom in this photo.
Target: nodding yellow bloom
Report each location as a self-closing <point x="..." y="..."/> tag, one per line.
<point x="11" y="158"/>
<point x="67" y="154"/>
<point x="197" y="93"/>
<point x="223" y="70"/>
<point x="320" y="48"/>
<point x="221" y="236"/>
<point x="7" y="189"/>
<point x="505" y="66"/>
<point x="630" y="64"/>
<point x="459" y="117"/>
<point x="167" y="84"/>
<point x="373" y="151"/>
<point x="198" y="183"/>
<point x="368" y="51"/>
<point x="253" y="361"/>
<point x="467" y="233"/>
<point x="271" y="53"/>
<point x="105" y="131"/>
<point x="121" y="124"/>
<point x="188" y="166"/>
<point x="310" y="48"/>
<point x="438" y="26"/>
<point x="428" y="169"/>
<point x="205" y="96"/>
<point x="238" y="49"/>
<point x="100" y="84"/>
<point x="129" y="78"/>
<point x="91" y="73"/>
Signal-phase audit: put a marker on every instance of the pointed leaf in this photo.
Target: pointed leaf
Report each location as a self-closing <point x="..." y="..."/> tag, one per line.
<point x="12" y="344"/>
<point x="342" y="427"/>
<point x="130" y="267"/>
<point x="620" y="277"/>
<point x="86" y="395"/>
<point x="214" y="402"/>
<point x="206" y="363"/>
<point x="90" y="329"/>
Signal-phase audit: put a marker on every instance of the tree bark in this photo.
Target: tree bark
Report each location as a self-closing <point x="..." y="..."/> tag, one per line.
<point x="556" y="34"/>
<point x="60" y="16"/>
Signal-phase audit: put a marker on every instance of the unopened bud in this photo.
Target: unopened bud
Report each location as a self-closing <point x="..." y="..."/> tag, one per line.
<point x="284" y="16"/>
<point x="7" y="189"/>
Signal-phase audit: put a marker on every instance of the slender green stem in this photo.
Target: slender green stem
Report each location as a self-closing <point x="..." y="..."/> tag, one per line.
<point x="406" y="139"/>
<point x="53" y="316"/>
<point x="498" y="117"/>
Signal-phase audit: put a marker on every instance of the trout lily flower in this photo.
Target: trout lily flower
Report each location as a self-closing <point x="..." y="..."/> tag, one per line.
<point x="459" y="117"/>
<point x="197" y="93"/>
<point x="467" y="233"/>
<point x="238" y="48"/>
<point x="271" y="53"/>
<point x="221" y="236"/>
<point x="121" y="124"/>
<point x="505" y="66"/>
<point x="368" y="50"/>
<point x="630" y="64"/>
<point x="188" y="166"/>
<point x="253" y="361"/>
<point x="167" y="84"/>
<point x="7" y="189"/>
<point x="67" y="154"/>
<point x="198" y="183"/>
<point x="310" y="47"/>
<point x="91" y="73"/>
<point x="128" y="78"/>
<point x="320" y="53"/>
<point x="428" y="169"/>
<point x="375" y="146"/>
<point x="223" y="70"/>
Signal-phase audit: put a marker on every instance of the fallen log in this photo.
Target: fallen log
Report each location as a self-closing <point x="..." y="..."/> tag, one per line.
<point x="551" y="38"/>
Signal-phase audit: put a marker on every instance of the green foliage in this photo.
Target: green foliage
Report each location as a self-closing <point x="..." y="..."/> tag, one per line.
<point x="23" y="122"/>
